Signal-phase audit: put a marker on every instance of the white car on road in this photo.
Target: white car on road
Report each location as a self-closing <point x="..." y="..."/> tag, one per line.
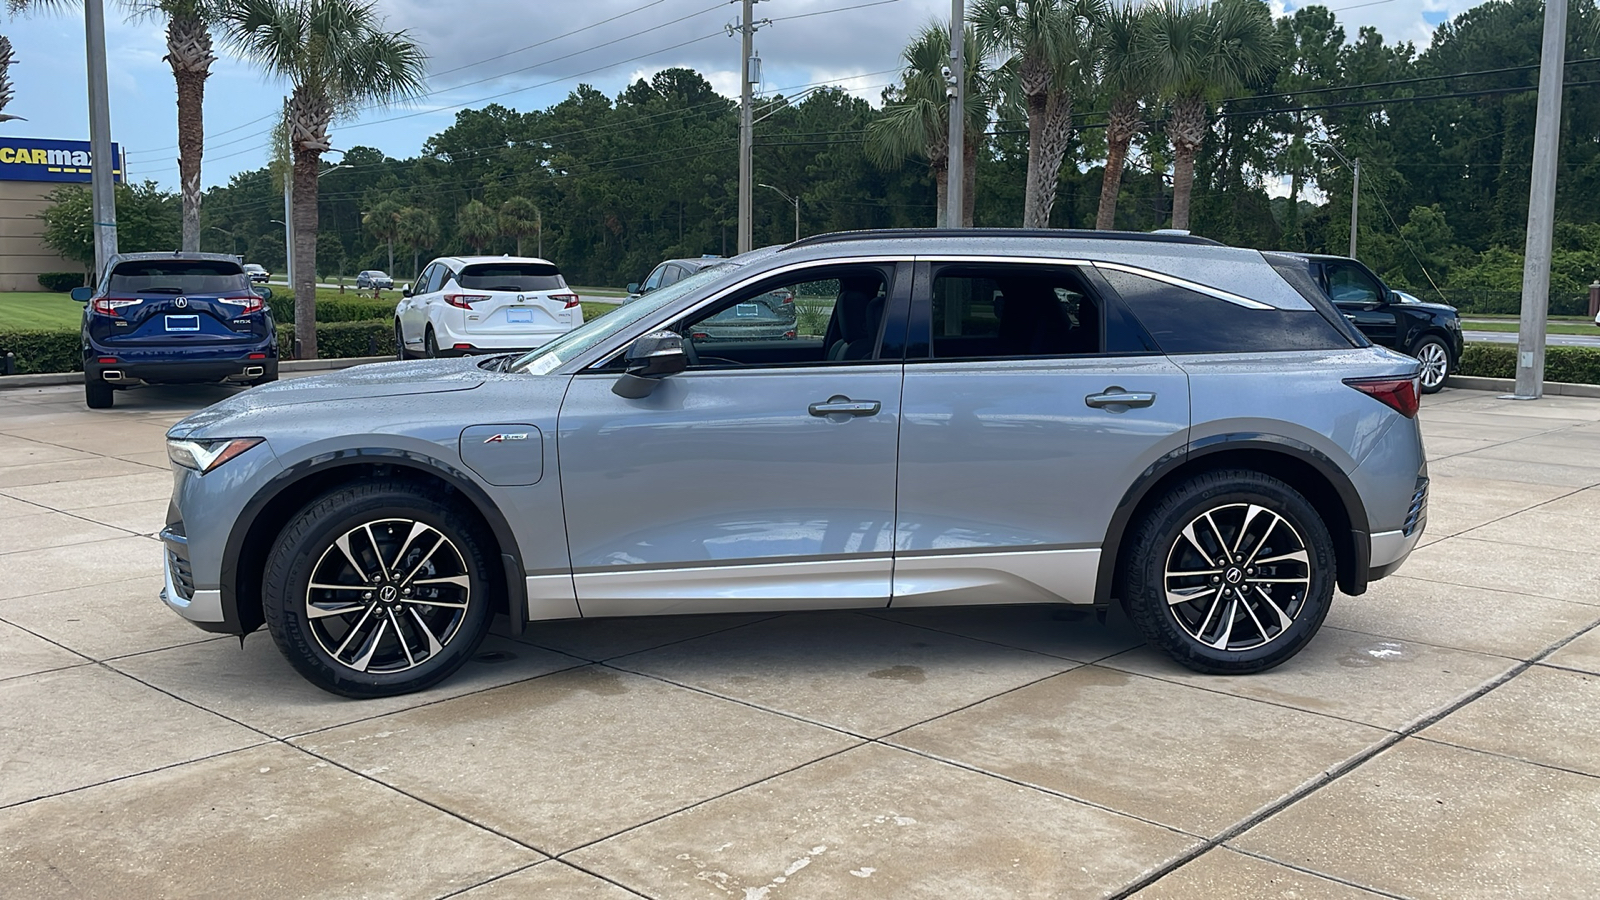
<point x="463" y="305"/>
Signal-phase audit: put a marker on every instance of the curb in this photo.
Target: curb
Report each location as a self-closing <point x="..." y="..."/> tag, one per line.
<point x="48" y="379"/>
<point x="1508" y="385"/>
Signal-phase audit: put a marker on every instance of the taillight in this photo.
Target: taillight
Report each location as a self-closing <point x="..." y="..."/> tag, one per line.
<point x="571" y="300"/>
<point x="1403" y="395"/>
<point x="464" y="301"/>
<point x="788" y="296"/>
<point x="113" y="306"/>
<point x="251" y="304"/>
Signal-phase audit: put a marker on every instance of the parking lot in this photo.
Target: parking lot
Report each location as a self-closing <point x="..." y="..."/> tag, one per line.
<point x="1440" y="737"/>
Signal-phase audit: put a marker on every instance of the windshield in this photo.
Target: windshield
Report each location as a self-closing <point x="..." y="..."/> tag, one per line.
<point x="591" y="334"/>
<point x="177" y="276"/>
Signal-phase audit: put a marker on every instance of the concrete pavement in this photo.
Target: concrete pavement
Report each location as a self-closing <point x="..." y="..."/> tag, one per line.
<point x="1439" y="738"/>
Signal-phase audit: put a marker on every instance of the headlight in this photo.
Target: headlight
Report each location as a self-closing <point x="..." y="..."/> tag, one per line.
<point x="203" y="456"/>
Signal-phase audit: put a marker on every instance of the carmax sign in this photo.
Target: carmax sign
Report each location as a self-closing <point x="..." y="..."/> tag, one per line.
<point x="37" y="159"/>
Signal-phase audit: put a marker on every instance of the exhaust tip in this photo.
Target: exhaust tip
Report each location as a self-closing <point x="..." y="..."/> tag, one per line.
<point x="253" y="371"/>
<point x="112" y="375"/>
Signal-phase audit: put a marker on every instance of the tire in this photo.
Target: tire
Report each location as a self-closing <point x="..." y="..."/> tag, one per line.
<point x="268" y="378"/>
<point x="430" y="344"/>
<point x="432" y="606"/>
<point x="98" y="394"/>
<point x="1435" y="359"/>
<point x="400" y="342"/>
<point x="1216" y="633"/>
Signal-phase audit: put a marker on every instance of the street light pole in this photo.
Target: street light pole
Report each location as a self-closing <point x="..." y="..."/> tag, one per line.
<point x="795" y="200"/>
<point x="1541" y="206"/>
<point x="955" y="170"/>
<point x="101" y="164"/>
<point x="746" y="127"/>
<point x="1355" y="201"/>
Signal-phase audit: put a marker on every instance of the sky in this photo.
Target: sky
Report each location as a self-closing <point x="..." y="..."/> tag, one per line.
<point x="525" y="54"/>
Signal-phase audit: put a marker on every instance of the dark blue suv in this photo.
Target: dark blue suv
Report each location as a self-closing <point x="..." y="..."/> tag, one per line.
<point x="174" y="318"/>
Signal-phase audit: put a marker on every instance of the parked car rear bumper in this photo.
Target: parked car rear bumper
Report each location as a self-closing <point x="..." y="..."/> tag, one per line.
<point x="190" y="366"/>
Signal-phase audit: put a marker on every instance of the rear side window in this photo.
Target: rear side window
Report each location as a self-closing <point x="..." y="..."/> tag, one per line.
<point x="1005" y="312"/>
<point x="178" y="276"/>
<point x="511" y="276"/>
<point x="1185" y="321"/>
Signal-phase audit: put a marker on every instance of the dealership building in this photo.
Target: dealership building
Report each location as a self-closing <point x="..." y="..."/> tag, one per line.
<point x="30" y="168"/>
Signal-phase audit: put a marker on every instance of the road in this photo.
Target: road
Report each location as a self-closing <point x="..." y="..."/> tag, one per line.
<point x="1553" y="340"/>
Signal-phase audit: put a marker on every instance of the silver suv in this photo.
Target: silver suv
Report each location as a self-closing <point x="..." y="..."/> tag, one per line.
<point x="985" y="417"/>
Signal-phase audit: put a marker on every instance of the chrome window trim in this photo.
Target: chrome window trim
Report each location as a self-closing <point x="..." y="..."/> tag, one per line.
<point x="606" y="353"/>
<point x="1216" y="293"/>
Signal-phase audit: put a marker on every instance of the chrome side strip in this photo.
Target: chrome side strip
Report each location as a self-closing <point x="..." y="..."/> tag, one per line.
<point x="972" y="579"/>
<point x="552" y="597"/>
<point x="1184" y="283"/>
<point x="834" y="584"/>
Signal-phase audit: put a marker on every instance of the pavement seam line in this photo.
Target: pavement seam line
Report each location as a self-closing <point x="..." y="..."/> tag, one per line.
<point x="1329" y="777"/>
<point x="1505" y="756"/>
<point x="1313" y="872"/>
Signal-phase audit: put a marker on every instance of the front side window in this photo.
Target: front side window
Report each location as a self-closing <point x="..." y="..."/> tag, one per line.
<point x="671" y="275"/>
<point x="1185" y="321"/>
<point x="820" y="317"/>
<point x="654" y="281"/>
<point x="1005" y="312"/>
<point x="1351" y="284"/>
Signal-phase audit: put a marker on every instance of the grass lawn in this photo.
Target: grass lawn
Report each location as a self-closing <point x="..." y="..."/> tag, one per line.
<point x="39" y="311"/>
<point x="1584" y="328"/>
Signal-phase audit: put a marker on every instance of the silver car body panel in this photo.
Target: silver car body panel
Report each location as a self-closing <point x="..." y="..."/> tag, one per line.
<point x="982" y="481"/>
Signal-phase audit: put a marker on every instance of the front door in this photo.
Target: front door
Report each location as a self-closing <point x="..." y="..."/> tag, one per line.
<point x="1364" y="301"/>
<point x="763" y="477"/>
<point x="1031" y="404"/>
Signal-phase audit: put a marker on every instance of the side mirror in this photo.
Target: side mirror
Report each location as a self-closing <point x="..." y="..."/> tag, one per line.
<point x="651" y="358"/>
<point x="262" y="291"/>
<point x="406" y="290"/>
<point x="83" y="294"/>
<point x="633" y="287"/>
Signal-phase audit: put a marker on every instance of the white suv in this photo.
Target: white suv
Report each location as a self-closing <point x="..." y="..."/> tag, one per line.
<point x="474" y="304"/>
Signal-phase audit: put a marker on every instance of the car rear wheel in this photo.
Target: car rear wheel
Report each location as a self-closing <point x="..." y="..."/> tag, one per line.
<point x="1435" y="359"/>
<point x="375" y="590"/>
<point x="1232" y="572"/>
<point x="97" y="394"/>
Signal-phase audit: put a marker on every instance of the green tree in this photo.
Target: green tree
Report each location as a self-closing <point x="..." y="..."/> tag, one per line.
<point x="917" y="121"/>
<point x="477" y="224"/>
<point x="520" y="217"/>
<point x="1125" y="79"/>
<point x="147" y="219"/>
<point x="418" y="230"/>
<point x="1052" y="48"/>
<point x="381" y="222"/>
<point x="338" y="57"/>
<point x="1196" y="53"/>
<point x="7" y="57"/>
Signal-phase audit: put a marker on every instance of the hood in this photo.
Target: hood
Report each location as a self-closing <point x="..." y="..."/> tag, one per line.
<point x="1430" y="307"/>
<point x="373" y="380"/>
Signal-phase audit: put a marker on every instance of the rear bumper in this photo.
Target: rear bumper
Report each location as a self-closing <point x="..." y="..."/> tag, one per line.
<point x="493" y="343"/>
<point x="195" y="366"/>
<point x="1390" y="548"/>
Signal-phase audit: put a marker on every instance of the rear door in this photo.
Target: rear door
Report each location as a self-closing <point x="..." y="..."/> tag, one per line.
<point x="1031" y="404"/>
<point x="515" y="297"/>
<point x="177" y="302"/>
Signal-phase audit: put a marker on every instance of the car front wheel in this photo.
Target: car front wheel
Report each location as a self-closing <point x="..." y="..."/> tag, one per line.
<point x="1435" y="359"/>
<point x="375" y="590"/>
<point x="1231" y="572"/>
<point x="430" y="344"/>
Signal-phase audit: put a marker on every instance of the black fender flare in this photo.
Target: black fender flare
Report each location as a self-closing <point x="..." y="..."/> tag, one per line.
<point x="510" y="553"/>
<point x="1353" y="579"/>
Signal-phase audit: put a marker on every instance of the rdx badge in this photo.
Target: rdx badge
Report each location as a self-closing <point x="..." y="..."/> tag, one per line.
<point x="502" y="438"/>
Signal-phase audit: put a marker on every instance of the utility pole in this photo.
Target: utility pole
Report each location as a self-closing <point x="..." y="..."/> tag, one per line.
<point x="747" y="33"/>
<point x="288" y="225"/>
<point x="102" y="166"/>
<point x="1541" y="206"/>
<point x="1355" y="207"/>
<point x="955" y="76"/>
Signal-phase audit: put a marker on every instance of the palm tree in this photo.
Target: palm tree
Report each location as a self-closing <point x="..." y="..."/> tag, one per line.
<point x="381" y="222"/>
<point x="7" y="57"/>
<point x="338" y="58"/>
<point x="520" y="217"/>
<point x="1195" y="53"/>
<point x="189" y="54"/>
<point x="917" y="122"/>
<point x="1125" y="81"/>
<point x="417" y="229"/>
<point x="1052" y="57"/>
<point x="477" y="224"/>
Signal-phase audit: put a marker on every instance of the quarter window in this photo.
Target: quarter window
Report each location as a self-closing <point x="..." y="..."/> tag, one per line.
<point x="1185" y="321"/>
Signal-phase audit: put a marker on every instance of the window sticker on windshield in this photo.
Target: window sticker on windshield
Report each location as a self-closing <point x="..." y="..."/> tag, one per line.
<point x="547" y="363"/>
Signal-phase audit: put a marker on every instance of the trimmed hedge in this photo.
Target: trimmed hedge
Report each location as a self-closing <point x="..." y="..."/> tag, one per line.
<point x="60" y="282"/>
<point x="344" y="309"/>
<point x="344" y="340"/>
<point x="1572" y="365"/>
<point x="43" y="351"/>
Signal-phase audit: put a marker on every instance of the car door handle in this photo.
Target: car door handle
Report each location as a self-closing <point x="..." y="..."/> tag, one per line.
<point x="842" y="405"/>
<point x="1115" y="396"/>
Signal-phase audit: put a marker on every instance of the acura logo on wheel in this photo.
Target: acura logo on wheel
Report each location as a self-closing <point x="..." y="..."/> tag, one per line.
<point x="387" y="593"/>
<point x="182" y="302"/>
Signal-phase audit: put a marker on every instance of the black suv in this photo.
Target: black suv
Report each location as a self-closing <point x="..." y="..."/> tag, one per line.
<point x="1429" y="331"/>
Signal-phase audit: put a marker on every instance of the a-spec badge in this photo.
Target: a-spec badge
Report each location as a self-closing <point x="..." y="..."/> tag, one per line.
<point x="181" y="302"/>
<point x="502" y="438"/>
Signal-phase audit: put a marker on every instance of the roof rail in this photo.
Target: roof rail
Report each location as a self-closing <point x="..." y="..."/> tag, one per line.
<point x="1057" y="233"/>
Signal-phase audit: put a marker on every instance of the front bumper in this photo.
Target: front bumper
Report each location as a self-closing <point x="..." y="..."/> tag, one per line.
<point x="202" y="607"/>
